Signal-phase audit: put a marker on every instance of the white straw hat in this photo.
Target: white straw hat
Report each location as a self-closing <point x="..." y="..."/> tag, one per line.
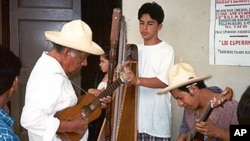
<point x="180" y="75"/>
<point x="75" y="34"/>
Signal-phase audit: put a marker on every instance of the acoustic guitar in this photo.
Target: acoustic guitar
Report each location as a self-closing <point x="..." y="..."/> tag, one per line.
<point x="193" y="135"/>
<point x="88" y="105"/>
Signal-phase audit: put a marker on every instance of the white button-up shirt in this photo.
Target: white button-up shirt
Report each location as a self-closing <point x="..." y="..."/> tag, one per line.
<point x="48" y="91"/>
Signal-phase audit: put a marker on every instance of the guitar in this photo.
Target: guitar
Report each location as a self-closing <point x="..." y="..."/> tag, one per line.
<point x="193" y="135"/>
<point x="89" y="105"/>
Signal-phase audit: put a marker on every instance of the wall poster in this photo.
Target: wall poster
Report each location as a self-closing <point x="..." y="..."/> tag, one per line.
<point x="229" y="39"/>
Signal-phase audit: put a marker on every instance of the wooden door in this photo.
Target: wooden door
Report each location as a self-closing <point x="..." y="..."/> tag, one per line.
<point x="28" y="21"/>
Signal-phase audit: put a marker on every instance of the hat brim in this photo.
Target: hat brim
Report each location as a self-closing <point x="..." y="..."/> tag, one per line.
<point x="169" y="88"/>
<point x="56" y="37"/>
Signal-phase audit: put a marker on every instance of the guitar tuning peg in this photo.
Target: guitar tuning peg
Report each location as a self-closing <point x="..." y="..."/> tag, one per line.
<point x="224" y="92"/>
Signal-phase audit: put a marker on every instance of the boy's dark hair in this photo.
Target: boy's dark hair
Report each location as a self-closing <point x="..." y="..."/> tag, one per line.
<point x="10" y="66"/>
<point x="199" y="84"/>
<point x="153" y="9"/>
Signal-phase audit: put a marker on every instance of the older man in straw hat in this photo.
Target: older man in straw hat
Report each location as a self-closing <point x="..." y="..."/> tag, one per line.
<point x="191" y="93"/>
<point x="49" y="89"/>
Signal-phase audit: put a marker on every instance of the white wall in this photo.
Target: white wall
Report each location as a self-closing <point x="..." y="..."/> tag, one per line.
<point x="186" y="28"/>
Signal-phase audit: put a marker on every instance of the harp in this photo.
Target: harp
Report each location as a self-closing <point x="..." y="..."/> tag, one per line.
<point x="120" y="122"/>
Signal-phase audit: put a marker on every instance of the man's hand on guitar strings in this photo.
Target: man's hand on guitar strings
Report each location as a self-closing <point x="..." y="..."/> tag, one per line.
<point x="95" y="92"/>
<point x="105" y="101"/>
<point x="79" y="125"/>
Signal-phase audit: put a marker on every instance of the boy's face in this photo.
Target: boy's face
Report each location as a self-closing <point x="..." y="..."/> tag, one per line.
<point x="149" y="27"/>
<point x="185" y="99"/>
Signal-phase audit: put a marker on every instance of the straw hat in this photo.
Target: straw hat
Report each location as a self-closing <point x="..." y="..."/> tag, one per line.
<point x="181" y="74"/>
<point x="75" y="34"/>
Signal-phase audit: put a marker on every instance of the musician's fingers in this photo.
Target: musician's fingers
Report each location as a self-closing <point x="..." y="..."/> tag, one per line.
<point x="126" y="63"/>
<point x="106" y="99"/>
<point x="102" y="89"/>
<point x="127" y="70"/>
<point x="103" y="105"/>
<point x="109" y="99"/>
<point x="80" y="125"/>
<point x="200" y="124"/>
<point x="200" y="129"/>
<point x="83" y="115"/>
<point x="131" y="78"/>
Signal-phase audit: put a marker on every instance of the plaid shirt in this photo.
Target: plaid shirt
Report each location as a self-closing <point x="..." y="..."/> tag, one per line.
<point x="6" y="127"/>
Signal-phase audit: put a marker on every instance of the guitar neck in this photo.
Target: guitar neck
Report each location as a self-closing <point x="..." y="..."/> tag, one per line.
<point x="203" y="117"/>
<point x="110" y="89"/>
<point x="107" y="92"/>
<point x="206" y="113"/>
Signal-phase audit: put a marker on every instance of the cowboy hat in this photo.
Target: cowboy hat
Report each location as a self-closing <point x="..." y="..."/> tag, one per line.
<point x="75" y="34"/>
<point x="180" y="75"/>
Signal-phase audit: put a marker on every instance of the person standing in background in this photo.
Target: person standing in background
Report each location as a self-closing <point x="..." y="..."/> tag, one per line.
<point x="102" y="75"/>
<point x="101" y="81"/>
<point x="10" y="66"/>
<point x="155" y="58"/>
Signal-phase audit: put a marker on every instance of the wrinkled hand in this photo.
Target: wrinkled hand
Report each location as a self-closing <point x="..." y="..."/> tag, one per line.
<point x="95" y="92"/>
<point x="105" y="101"/>
<point x="80" y="124"/>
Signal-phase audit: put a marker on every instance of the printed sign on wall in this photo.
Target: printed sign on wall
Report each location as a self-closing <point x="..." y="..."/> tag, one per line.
<point x="229" y="41"/>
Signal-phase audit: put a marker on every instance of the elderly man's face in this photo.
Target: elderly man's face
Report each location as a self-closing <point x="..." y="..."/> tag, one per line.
<point x="75" y="61"/>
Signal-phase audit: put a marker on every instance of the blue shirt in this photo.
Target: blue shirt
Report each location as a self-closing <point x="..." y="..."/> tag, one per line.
<point x="6" y="127"/>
